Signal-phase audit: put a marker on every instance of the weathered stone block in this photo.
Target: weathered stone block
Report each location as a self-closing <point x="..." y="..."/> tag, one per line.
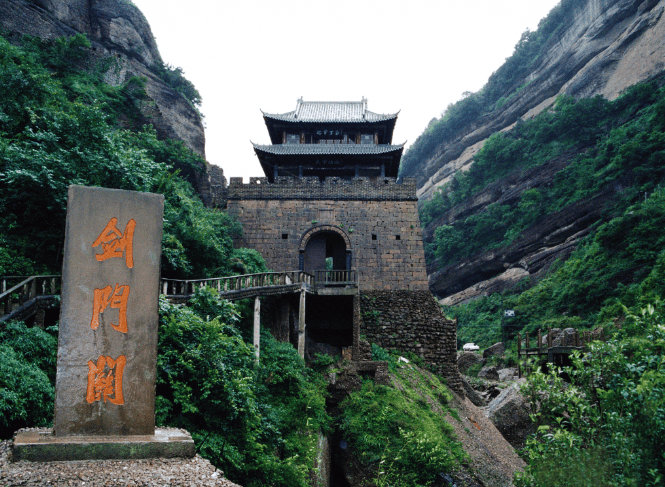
<point x="107" y="344"/>
<point x="43" y="446"/>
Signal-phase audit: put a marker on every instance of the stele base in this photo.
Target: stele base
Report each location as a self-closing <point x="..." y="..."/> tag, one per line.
<point x="42" y="446"/>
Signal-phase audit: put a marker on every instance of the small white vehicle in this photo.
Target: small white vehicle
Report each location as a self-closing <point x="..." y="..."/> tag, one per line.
<point x="470" y="347"/>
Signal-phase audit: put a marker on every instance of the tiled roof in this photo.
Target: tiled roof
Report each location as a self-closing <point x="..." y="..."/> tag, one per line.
<point x="331" y="111"/>
<point x="327" y="149"/>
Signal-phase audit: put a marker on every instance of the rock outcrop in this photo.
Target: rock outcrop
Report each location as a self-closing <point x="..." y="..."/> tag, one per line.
<point x="117" y="29"/>
<point x="509" y="412"/>
<point x="606" y="47"/>
<point x="496" y="349"/>
<point x="530" y="256"/>
<point x="467" y="360"/>
<point x="601" y="48"/>
<point x="490" y="372"/>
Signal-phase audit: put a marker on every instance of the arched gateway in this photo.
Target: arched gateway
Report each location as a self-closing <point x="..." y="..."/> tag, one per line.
<point x="330" y="205"/>
<point x="324" y="248"/>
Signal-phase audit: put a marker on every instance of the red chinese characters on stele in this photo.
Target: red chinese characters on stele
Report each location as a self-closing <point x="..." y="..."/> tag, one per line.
<point x="105" y="380"/>
<point x="105" y="376"/>
<point x="115" y="298"/>
<point x="114" y="243"/>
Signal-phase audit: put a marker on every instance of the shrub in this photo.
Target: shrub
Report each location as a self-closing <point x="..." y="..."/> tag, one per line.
<point x="27" y="377"/>
<point x="258" y="421"/>
<point x="397" y="434"/>
<point x="610" y="417"/>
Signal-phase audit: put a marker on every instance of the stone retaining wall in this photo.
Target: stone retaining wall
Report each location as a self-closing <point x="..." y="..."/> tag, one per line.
<point x="384" y="237"/>
<point x="412" y="321"/>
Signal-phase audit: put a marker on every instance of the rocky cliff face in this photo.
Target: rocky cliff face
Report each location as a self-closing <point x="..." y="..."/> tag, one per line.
<point x="608" y="46"/>
<point x="117" y="28"/>
<point x="605" y="47"/>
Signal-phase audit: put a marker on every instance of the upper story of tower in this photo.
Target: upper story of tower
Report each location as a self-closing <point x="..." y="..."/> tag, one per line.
<point x="324" y="139"/>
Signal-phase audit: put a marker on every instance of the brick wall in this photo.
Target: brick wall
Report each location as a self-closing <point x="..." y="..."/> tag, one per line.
<point x="384" y="233"/>
<point x="311" y="188"/>
<point x="412" y="321"/>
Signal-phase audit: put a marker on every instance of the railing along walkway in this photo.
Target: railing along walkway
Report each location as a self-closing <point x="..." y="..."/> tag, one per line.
<point x="330" y="278"/>
<point x="547" y="349"/>
<point x="22" y="295"/>
<point x="241" y="287"/>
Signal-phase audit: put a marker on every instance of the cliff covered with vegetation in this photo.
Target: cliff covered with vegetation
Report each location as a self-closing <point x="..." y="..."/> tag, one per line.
<point x="62" y="125"/>
<point x="543" y="194"/>
<point x="122" y="49"/>
<point x="563" y="137"/>
<point x="582" y="48"/>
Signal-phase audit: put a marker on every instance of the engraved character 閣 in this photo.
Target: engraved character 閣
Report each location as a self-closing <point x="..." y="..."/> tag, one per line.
<point x="105" y="380"/>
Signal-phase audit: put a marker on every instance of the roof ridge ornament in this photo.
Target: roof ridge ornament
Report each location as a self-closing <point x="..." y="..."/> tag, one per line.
<point x="299" y="103"/>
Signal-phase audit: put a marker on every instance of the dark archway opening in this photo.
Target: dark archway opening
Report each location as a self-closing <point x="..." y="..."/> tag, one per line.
<point x="325" y="251"/>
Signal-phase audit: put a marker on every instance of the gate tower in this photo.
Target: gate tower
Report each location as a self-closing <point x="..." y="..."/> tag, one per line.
<point x="331" y="205"/>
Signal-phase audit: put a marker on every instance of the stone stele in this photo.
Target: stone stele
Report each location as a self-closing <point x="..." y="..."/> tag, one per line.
<point x="107" y="347"/>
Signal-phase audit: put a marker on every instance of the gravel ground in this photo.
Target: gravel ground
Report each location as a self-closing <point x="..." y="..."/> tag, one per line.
<point x="145" y="473"/>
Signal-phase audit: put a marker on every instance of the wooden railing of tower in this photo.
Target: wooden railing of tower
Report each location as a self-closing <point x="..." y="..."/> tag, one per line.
<point x="336" y="277"/>
<point x="545" y="349"/>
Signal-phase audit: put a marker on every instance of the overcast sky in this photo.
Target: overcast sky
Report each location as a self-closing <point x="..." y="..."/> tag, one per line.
<point x="415" y="56"/>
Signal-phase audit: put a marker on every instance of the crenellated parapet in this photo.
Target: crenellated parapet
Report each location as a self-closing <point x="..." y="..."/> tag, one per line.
<point x="312" y="188"/>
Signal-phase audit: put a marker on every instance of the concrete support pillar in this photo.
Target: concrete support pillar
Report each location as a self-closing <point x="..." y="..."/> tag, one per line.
<point x="39" y="318"/>
<point x="301" y="323"/>
<point x="355" y="353"/>
<point x="257" y="326"/>
<point x="284" y="311"/>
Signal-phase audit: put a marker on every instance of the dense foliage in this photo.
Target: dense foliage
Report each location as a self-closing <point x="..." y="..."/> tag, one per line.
<point x="606" y="426"/>
<point x="61" y="124"/>
<point x="27" y="377"/>
<point x="623" y="262"/>
<point x="175" y="78"/>
<point x="400" y="434"/>
<point x="504" y="85"/>
<point x="620" y="141"/>
<point x="604" y="418"/>
<point x="257" y="421"/>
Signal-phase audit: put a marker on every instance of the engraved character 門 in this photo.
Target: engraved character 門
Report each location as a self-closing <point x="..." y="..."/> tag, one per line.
<point x="115" y="298"/>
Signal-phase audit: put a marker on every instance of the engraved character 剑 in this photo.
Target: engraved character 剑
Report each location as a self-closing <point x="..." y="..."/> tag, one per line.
<point x="114" y="243"/>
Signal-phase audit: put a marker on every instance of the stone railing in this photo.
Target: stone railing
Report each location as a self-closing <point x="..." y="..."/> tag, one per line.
<point x="327" y="278"/>
<point x="20" y="292"/>
<point x="228" y="286"/>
